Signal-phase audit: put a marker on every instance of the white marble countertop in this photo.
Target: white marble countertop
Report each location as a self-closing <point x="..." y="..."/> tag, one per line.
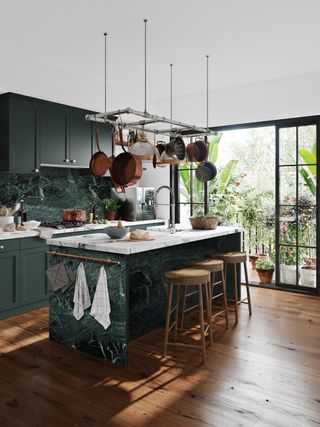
<point x="87" y="227"/>
<point x="102" y="243"/>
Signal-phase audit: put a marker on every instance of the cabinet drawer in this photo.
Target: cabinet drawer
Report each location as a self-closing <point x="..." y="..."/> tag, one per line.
<point x="9" y="245"/>
<point x="32" y="243"/>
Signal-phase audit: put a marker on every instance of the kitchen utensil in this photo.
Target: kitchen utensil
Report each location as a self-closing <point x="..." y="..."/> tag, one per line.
<point x="74" y="215"/>
<point x="4" y="220"/>
<point x="99" y="162"/>
<point x="117" y="232"/>
<point x="206" y="172"/>
<point x="192" y="152"/>
<point x="126" y="170"/>
<point x="161" y="145"/>
<point x="176" y="147"/>
<point x="203" y="150"/>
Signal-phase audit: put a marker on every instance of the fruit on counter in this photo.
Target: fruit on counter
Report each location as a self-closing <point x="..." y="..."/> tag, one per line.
<point x="120" y="225"/>
<point x="10" y="227"/>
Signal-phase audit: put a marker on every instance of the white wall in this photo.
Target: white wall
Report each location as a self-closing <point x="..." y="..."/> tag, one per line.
<point x="273" y="99"/>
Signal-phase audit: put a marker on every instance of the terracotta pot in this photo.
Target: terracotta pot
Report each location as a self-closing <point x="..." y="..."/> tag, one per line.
<point x="265" y="276"/>
<point x="110" y="215"/>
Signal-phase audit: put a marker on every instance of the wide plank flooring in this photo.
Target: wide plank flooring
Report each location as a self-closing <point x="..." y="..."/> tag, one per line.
<point x="264" y="372"/>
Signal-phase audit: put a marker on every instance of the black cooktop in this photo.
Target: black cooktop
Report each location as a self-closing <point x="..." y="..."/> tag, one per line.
<point x="62" y="224"/>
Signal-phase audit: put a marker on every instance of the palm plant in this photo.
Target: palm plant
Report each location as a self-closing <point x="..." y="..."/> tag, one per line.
<point x="309" y="174"/>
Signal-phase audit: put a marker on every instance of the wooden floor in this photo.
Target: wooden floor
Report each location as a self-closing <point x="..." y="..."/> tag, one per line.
<point x="264" y="372"/>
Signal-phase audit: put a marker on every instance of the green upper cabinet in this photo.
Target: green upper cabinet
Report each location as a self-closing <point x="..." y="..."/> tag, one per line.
<point x="80" y="139"/>
<point x="18" y="134"/>
<point x="36" y="133"/>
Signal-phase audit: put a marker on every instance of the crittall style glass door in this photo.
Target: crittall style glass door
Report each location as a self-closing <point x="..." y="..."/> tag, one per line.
<point x="297" y="193"/>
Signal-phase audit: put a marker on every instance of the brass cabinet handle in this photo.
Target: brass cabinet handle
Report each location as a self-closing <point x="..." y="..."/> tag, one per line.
<point x="36" y="170"/>
<point x="1" y="247"/>
<point x="73" y="161"/>
<point x="66" y="161"/>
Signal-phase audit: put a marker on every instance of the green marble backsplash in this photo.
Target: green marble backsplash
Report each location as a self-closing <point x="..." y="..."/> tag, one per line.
<point x="52" y="190"/>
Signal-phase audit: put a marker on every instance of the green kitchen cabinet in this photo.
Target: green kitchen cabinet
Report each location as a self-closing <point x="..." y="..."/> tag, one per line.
<point x="35" y="133"/>
<point x="53" y="135"/>
<point x="80" y="139"/>
<point x="19" y="136"/>
<point x="9" y="280"/>
<point x="23" y="281"/>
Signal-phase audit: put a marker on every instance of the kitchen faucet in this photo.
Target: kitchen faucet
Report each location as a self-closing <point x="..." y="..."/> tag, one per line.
<point x="171" y="221"/>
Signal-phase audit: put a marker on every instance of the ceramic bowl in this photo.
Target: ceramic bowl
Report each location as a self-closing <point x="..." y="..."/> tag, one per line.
<point x="116" y="233"/>
<point x="30" y="225"/>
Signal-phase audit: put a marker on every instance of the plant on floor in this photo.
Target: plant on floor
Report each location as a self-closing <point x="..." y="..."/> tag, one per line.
<point x="265" y="269"/>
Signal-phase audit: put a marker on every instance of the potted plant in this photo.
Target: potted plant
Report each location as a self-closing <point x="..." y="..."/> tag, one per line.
<point x="265" y="269"/>
<point x="110" y="207"/>
<point x="207" y="221"/>
<point x="288" y="266"/>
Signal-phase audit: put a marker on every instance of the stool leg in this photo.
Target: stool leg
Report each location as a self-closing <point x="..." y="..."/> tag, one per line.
<point x="235" y="292"/>
<point x="247" y="287"/>
<point x="225" y="299"/>
<point x="183" y="306"/>
<point x="209" y="310"/>
<point x="177" y="313"/>
<point x="166" y="332"/>
<point x="201" y="318"/>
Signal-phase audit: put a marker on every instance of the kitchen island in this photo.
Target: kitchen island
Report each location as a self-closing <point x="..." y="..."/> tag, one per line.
<point x="138" y="293"/>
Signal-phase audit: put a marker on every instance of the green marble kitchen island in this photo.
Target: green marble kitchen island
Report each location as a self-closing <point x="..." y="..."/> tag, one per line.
<point x="137" y="291"/>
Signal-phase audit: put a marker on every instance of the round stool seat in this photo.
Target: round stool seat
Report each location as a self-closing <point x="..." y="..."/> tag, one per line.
<point x="188" y="276"/>
<point x="212" y="265"/>
<point x="231" y="257"/>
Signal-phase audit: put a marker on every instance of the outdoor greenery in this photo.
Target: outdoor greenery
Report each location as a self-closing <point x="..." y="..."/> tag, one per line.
<point x="244" y="190"/>
<point x="264" y="264"/>
<point x="110" y="205"/>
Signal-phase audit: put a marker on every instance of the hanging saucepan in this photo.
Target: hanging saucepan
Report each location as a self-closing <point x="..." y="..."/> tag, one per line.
<point x="192" y="152"/>
<point x="126" y="169"/>
<point x="176" y="147"/>
<point x="161" y="146"/>
<point x="206" y="172"/>
<point x="203" y="150"/>
<point x="99" y="162"/>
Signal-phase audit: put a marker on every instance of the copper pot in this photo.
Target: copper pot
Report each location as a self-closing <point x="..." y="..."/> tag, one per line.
<point x="74" y="215"/>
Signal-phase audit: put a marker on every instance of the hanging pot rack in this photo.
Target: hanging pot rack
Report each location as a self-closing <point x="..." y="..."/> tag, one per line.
<point x="130" y="118"/>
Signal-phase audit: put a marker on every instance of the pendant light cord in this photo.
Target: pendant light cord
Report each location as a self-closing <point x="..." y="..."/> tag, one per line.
<point x="145" y="65"/>
<point x="105" y="72"/>
<point x="207" y="56"/>
<point x="171" y="65"/>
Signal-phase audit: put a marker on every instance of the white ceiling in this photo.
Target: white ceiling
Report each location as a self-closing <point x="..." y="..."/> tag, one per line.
<point x="247" y="40"/>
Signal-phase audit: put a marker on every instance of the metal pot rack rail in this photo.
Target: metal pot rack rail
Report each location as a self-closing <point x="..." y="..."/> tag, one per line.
<point x="114" y="118"/>
<point x="84" y="258"/>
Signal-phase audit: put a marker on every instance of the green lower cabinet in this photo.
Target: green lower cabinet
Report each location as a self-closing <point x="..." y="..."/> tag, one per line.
<point x="9" y="280"/>
<point x="33" y="281"/>
<point x="23" y="281"/>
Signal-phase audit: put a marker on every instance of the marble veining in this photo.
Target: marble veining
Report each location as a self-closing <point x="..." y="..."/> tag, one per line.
<point x="102" y="243"/>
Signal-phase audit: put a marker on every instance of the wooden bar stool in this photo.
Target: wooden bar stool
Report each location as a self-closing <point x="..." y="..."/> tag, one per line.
<point x="235" y="258"/>
<point x="182" y="278"/>
<point x="213" y="266"/>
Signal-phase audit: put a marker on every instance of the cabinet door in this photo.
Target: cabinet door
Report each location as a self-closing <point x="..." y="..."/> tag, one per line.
<point x="23" y="136"/>
<point x="105" y="137"/>
<point x="53" y="136"/>
<point x="9" y="279"/>
<point x="33" y="280"/>
<point x="80" y="139"/>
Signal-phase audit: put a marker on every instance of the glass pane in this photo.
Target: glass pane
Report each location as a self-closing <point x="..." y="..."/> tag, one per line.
<point x="287" y="185"/>
<point x="288" y="266"/>
<point x="288" y="225"/>
<point x="307" y="270"/>
<point x="307" y="226"/>
<point x="307" y="185"/>
<point x="198" y="189"/>
<point x="287" y="146"/>
<point x="185" y="214"/>
<point x="184" y="183"/>
<point x="307" y="137"/>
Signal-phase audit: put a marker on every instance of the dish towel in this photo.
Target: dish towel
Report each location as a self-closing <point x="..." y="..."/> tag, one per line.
<point x="81" y="297"/>
<point x="101" y="309"/>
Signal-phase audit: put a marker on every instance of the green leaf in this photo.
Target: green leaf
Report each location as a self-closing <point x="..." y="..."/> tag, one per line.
<point x="308" y="180"/>
<point x="309" y="158"/>
<point x="225" y="176"/>
<point x="185" y="176"/>
<point x="314" y="149"/>
<point x="214" y="147"/>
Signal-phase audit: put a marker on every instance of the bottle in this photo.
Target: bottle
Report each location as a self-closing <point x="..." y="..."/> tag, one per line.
<point x="22" y="213"/>
<point x="91" y="213"/>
